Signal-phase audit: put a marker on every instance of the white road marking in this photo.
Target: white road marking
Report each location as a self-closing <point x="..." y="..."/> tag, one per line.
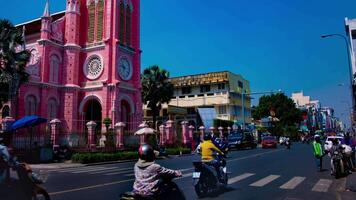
<point x="239" y="178"/>
<point x="92" y="170"/>
<point x="322" y="185"/>
<point x="112" y="170"/>
<point x="75" y="169"/>
<point x="294" y="182"/>
<point x="119" y="172"/>
<point x="265" y="181"/>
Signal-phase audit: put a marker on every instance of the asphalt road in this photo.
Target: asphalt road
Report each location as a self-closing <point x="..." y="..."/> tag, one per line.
<point x="255" y="174"/>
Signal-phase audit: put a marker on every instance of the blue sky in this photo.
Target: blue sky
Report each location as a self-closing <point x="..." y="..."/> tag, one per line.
<point x="274" y="44"/>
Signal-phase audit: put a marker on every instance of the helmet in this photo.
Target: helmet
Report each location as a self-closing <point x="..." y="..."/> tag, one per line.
<point x="146" y="153"/>
<point x="316" y="136"/>
<point x="207" y="136"/>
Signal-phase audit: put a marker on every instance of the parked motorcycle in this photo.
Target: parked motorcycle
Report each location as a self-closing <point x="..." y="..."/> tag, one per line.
<point x="205" y="178"/>
<point x="167" y="190"/>
<point x="62" y="153"/>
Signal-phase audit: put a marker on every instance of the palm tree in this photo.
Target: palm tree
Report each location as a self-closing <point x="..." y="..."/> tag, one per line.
<point x="156" y="89"/>
<point x="13" y="60"/>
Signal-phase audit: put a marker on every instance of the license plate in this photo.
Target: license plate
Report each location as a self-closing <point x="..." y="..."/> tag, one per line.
<point x="196" y="174"/>
<point x="224" y="170"/>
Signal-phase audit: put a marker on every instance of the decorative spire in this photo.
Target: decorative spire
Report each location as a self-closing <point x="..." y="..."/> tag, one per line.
<point x="46" y="12"/>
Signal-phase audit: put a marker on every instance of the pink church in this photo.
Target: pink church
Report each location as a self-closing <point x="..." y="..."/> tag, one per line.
<point x="85" y="65"/>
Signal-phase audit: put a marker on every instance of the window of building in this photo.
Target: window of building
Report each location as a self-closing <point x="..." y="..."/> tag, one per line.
<point x="30" y="105"/>
<point x="221" y="86"/>
<point x="91" y="22"/>
<point x="128" y="25"/>
<point x="122" y="23"/>
<point x="222" y="109"/>
<point x="52" y="109"/>
<point x="53" y="69"/>
<point x="100" y="21"/>
<point x="186" y="90"/>
<point x="204" y="88"/>
<point x="240" y="84"/>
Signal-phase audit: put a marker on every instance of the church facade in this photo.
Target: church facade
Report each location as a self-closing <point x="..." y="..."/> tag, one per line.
<point x="84" y="66"/>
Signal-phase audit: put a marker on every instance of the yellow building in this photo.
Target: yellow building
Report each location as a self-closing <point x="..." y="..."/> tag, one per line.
<point x="222" y="91"/>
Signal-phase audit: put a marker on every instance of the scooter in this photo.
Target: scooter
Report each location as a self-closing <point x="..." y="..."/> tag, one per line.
<point x="288" y="144"/>
<point x="167" y="190"/>
<point x="26" y="187"/>
<point x="205" y="177"/>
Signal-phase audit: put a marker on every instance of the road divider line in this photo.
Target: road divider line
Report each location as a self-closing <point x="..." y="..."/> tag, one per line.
<point x="93" y="170"/>
<point x="112" y="170"/>
<point x="239" y="178"/>
<point x="90" y="187"/>
<point x="254" y="155"/>
<point x="322" y="185"/>
<point x="120" y="172"/>
<point x="72" y="169"/>
<point x="293" y="183"/>
<point x="265" y="181"/>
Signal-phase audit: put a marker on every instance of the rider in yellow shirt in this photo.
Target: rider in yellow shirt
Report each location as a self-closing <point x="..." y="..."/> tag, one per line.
<point x="207" y="153"/>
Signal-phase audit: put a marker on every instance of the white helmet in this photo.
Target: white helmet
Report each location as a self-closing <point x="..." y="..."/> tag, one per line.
<point x="316" y="136"/>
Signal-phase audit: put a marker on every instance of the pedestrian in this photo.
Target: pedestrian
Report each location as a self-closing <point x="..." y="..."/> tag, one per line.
<point x="318" y="152"/>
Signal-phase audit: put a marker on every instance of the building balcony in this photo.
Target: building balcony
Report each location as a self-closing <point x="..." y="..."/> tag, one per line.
<point x="196" y="100"/>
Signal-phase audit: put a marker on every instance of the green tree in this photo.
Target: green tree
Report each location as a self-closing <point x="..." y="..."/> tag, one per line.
<point x="284" y="108"/>
<point x="13" y="60"/>
<point x="156" y="89"/>
<point x="107" y="122"/>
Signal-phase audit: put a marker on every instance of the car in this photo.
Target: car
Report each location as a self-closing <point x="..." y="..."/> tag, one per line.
<point x="269" y="142"/>
<point x="241" y="141"/>
<point x="328" y="142"/>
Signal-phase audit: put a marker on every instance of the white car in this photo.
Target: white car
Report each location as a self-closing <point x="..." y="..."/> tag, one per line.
<point x="328" y="142"/>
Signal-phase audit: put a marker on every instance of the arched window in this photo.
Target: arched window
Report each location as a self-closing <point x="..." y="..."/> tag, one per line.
<point x="30" y="105"/>
<point x="100" y="21"/>
<point x="91" y="22"/>
<point x="122" y="23"/>
<point x="52" y="109"/>
<point x="128" y="25"/>
<point x="5" y="112"/>
<point x="53" y="69"/>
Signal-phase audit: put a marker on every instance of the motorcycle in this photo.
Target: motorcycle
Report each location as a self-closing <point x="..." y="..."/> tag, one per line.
<point x="205" y="178"/>
<point x="26" y="187"/>
<point x="337" y="162"/>
<point x="288" y="144"/>
<point x="167" y="190"/>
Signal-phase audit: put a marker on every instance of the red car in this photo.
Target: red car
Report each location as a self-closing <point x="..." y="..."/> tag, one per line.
<point x="269" y="142"/>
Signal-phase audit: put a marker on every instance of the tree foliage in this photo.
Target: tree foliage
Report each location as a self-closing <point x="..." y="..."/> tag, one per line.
<point x="156" y="89"/>
<point x="284" y="108"/>
<point x="13" y="60"/>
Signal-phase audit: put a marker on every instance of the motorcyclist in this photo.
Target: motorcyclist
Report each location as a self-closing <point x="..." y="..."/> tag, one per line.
<point x="336" y="146"/>
<point x="148" y="174"/>
<point x="207" y="153"/>
<point x="318" y="152"/>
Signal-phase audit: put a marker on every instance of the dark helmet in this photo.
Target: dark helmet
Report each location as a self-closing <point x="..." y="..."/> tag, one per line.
<point x="146" y="153"/>
<point x="207" y="136"/>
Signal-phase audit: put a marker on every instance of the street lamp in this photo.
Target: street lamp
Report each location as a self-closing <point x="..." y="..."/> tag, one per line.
<point x="243" y="102"/>
<point x="348" y="46"/>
